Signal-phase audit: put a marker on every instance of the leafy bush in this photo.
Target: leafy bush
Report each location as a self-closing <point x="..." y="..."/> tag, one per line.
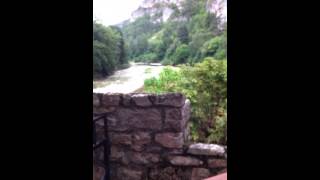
<point x="214" y="47"/>
<point x="165" y="83"/>
<point x="181" y="54"/>
<point x="205" y="84"/>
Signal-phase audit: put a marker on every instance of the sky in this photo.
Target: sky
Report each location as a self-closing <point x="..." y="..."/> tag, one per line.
<point x="110" y="12"/>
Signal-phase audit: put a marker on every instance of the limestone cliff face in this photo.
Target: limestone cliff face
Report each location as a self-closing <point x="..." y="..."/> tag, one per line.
<point x="219" y="7"/>
<point x="161" y="10"/>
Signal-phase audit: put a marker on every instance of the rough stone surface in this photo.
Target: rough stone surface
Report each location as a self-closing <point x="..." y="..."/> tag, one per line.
<point x="199" y="173"/>
<point x="120" y="138"/>
<point x="186" y="133"/>
<point x="104" y="109"/>
<point x="126" y="100"/>
<point x="175" y="151"/>
<point x="132" y="118"/>
<point x="173" y="114"/>
<point x="170" y="99"/>
<point x="147" y="135"/>
<point x="153" y="149"/>
<point x="206" y="149"/>
<point x="184" y="161"/>
<point x="174" y="120"/>
<point x="115" y="153"/>
<point x="99" y="154"/>
<point x="170" y="140"/>
<point x="111" y="99"/>
<point x="96" y="100"/>
<point x="217" y="163"/>
<point x="98" y="172"/>
<point x="141" y="100"/>
<point x="169" y="173"/>
<point x="140" y="139"/>
<point x="115" y="125"/>
<point x="154" y="173"/>
<point x="125" y="159"/>
<point x="186" y="110"/>
<point x="129" y="174"/>
<point x="144" y="158"/>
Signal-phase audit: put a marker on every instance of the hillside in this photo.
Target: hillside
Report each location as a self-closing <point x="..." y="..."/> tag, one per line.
<point x="176" y="31"/>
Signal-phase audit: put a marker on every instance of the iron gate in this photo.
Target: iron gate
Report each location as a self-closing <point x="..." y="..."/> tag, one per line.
<point x="103" y="143"/>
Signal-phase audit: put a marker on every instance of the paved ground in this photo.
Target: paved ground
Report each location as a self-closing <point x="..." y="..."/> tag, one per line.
<point x="218" y="177"/>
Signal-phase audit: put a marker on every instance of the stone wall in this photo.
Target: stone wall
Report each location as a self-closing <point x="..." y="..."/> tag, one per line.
<point x="148" y="135"/>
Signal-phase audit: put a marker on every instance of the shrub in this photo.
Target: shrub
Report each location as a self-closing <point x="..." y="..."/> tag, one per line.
<point x="165" y="83"/>
<point x="205" y="84"/>
<point x="214" y="47"/>
<point x="181" y="54"/>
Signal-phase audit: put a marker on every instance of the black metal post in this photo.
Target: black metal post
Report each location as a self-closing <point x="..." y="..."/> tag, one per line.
<point x="106" y="148"/>
<point x="105" y="142"/>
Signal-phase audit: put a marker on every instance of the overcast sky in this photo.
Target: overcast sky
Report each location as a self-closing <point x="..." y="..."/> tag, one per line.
<point x="111" y="12"/>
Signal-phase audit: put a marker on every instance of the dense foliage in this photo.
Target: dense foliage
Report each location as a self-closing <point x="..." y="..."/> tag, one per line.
<point x="189" y="35"/>
<point x="109" y="51"/>
<point x="138" y="35"/>
<point x="205" y="84"/>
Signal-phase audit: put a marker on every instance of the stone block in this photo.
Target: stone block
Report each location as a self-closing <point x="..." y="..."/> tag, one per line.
<point x="129" y="174"/>
<point x="217" y="163"/>
<point x="126" y="100"/>
<point x="144" y="158"/>
<point x="184" y="161"/>
<point x="110" y="99"/>
<point x="141" y="100"/>
<point x="116" y="153"/>
<point x="133" y="118"/>
<point x="206" y="149"/>
<point x="199" y="173"/>
<point x="121" y="138"/>
<point x="169" y="99"/>
<point x="170" y="140"/>
<point x="140" y="139"/>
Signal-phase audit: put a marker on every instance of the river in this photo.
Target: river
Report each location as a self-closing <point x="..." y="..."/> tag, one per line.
<point x="127" y="80"/>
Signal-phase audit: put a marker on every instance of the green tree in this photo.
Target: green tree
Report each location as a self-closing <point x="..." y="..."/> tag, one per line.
<point x="191" y="7"/>
<point x="137" y="33"/>
<point x="122" y="51"/>
<point x="181" y="55"/>
<point x="183" y="34"/>
<point x="214" y="47"/>
<point x="191" y="24"/>
<point x="108" y="50"/>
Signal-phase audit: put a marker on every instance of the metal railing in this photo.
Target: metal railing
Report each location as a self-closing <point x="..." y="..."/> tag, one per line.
<point x="104" y="143"/>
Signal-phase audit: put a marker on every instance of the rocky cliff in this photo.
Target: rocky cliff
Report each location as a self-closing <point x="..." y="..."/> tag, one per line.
<point x="163" y="9"/>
